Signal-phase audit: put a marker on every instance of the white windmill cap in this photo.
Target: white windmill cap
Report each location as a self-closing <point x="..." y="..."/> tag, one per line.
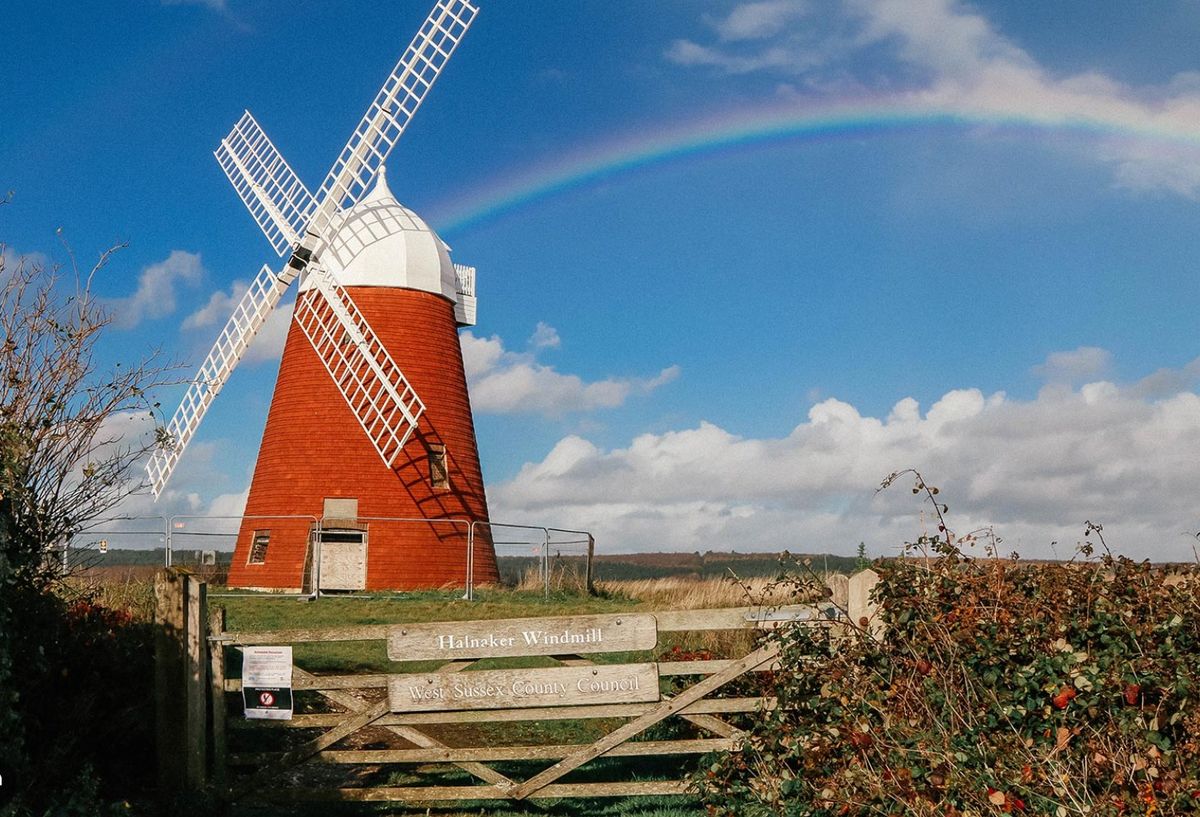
<point x="381" y="243"/>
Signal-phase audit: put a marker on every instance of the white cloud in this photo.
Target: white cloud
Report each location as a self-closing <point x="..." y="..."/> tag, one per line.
<point x="1078" y="365"/>
<point x="545" y="337"/>
<point x="155" y="294"/>
<point x="685" y="52"/>
<point x="503" y="382"/>
<point x="1036" y="469"/>
<point x="755" y="21"/>
<point x="948" y="58"/>
<point x="267" y="344"/>
<point x="199" y="471"/>
<point x="219" y="307"/>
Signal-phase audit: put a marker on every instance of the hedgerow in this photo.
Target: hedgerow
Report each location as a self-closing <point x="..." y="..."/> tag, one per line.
<point x="996" y="687"/>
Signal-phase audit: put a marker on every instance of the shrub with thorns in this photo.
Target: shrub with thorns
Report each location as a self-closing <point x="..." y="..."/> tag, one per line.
<point x="998" y="687"/>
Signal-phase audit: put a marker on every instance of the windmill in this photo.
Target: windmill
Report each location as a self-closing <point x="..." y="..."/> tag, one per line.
<point x="368" y="463"/>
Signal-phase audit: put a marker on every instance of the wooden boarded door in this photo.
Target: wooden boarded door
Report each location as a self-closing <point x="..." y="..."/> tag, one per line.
<point x="343" y="558"/>
<point x="342" y="545"/>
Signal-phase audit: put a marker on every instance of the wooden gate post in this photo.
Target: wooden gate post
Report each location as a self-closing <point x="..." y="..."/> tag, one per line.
<point x="839" y="590"/>
<point x="589" y="581"/>
<point x="180" y="681"/>
<point x="864" y="612"/>
<point x="216" y="675"/>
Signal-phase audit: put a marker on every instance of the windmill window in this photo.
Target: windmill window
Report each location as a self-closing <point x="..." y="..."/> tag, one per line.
<point x="439" y="471"/>
<point x="258" y="547"/>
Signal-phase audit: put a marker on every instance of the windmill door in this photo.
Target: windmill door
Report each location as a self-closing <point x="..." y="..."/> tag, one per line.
<point x="343" y="559"/>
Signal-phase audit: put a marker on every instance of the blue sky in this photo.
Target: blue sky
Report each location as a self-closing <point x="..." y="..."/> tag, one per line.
<point x="737" y="261"/>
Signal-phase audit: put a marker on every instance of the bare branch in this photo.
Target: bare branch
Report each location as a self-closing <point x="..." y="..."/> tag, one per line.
<point x="72" y="434"/>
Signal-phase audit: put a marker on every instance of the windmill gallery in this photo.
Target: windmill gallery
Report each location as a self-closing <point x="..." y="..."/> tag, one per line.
<point x="370" y="418"/>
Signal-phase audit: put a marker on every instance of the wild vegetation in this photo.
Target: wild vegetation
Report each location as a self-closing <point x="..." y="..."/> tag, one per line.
<point x="70" y="670"/>
<point x="996" y="687"/>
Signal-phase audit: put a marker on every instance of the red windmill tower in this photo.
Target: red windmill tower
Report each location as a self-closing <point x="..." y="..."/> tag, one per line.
<point x="368" y="474"/>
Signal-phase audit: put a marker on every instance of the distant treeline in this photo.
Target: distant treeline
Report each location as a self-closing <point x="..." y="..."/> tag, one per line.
<point x="610" y="567"/>
<point x="633" y="566"/>
<point x="125" y="557"/>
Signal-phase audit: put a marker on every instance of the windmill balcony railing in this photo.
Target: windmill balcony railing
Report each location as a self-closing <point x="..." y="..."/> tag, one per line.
<point x="464" y="279"/>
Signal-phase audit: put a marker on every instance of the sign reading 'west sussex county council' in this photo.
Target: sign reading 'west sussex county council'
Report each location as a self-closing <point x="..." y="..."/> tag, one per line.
<point x="502" y="638"/>
<point x="523" y="688"/>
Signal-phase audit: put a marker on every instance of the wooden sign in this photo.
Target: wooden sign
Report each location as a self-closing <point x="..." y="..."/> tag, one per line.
<point x="523" y="688"/>
<point x="565" y="635"/>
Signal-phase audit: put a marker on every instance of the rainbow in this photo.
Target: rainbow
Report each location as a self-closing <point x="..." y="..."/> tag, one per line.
<point x="704" y="137"/>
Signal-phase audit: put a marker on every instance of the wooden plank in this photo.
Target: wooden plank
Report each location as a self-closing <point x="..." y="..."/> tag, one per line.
<point x="523" y="688"/>
<point x="576" y="661"/>
<point x="839" y="589"/>
<point x="708" y="722"/>
<point x="589" y="578"/>
<point x="348" y="727"/>
<point x="714" y="725"/>
<point x="448" y="754"/>
<point x="707" y="706"/>
<point x="862" y="610"/>
<point x="430" y="794"/>
<point x="450" y="666"/>
<point x="410" y="734"/>
<point x="502" y="638"/>
<point x="643" y="722"/>
<point x="729" y="618"/>
<point x="380" y="680"/>
<point x="369" y="632"/>
<point x="217" y="705"/>
<point x="709" y="667"/>
<point x="196" y="684"/>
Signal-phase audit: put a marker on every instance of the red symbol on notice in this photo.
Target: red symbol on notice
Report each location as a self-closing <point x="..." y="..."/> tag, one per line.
<point x="266" y="699"/>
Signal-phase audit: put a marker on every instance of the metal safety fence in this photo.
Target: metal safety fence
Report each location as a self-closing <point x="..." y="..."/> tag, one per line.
<point x="467" y="554"/>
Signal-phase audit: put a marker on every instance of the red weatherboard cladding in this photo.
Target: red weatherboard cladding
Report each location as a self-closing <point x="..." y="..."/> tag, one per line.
<point x="313" y="448"/>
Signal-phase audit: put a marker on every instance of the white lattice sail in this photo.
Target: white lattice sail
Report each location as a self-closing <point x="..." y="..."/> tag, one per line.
<point x="266" y="184"/>
<point x="375" y="389"/>
<point x="402" y="93"/>
<point x="251" y="313"/>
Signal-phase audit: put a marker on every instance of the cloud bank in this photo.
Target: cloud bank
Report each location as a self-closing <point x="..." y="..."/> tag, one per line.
<point x="1035" y="469"/>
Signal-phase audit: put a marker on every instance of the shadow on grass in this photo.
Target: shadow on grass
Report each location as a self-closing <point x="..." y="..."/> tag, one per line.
<point x="601" y="770"/>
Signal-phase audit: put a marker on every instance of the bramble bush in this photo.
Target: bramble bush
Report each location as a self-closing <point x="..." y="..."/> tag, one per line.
<point x="996" y="687"/>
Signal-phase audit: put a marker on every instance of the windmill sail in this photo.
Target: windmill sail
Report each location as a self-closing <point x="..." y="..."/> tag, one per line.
<point x="251" y="313"/>
<point x="402" y="93"/>
<point x="266" y="183"/>
<point x="377" y="392"/>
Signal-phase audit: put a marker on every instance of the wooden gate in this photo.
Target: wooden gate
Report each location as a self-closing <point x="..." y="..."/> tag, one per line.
<point x="459" y="718"/>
